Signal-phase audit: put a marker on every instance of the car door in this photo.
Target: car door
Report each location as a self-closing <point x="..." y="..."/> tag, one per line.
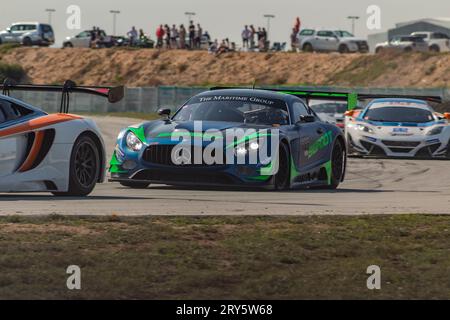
<point x="308" y="134"/>
<point x="320" y="40"/>
<point x="12" y="33"/>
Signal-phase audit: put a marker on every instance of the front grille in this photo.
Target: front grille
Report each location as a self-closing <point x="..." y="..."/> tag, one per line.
<point x="400" y="150"/>
<point x="408" y="144"/>
<point x="162" y="155"/>
<point x="184" y="177"/>
<point x="373" y="149"/>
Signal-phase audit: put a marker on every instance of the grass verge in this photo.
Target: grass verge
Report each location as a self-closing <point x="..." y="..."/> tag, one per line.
<point x="225" y="257"/>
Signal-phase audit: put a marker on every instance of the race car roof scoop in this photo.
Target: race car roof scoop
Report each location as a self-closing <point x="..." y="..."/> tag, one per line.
<point x="114" y="94"/>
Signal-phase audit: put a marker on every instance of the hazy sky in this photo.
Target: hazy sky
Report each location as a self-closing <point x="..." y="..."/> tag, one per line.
<point x="224" y="18"/>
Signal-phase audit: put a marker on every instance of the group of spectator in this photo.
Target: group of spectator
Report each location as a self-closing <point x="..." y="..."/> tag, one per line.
<point x="253" y="38"/>
<point x="181" y="38"/>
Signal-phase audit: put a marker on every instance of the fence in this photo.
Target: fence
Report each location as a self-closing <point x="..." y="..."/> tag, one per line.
<point x="148" y="100"/>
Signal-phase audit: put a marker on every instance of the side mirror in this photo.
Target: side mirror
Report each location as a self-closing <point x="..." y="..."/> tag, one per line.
<point x="307" y="119"/>
<point x="447" y="115"/>
<point x="164" y="112"/>
<point x="8" y="29"/>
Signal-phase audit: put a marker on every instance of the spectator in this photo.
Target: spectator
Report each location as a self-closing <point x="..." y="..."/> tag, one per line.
<point x="173" y="37"/>
<point x="213" y="47"/>
<point x="198" y="37"/>
<point x="207" y="37"/>
<point x="294" y="40"/>
<point x="132" y="35"/>
<point x="252" y="36"/>
<point x="160" y="36"/>
<point x="182" y="35"/>
<point x="297" y="25"/>
<point x="167" y="31"/>
<point x="222" y="48"/>
<point x="246" y="35"/>
<point x="191" y="35"/>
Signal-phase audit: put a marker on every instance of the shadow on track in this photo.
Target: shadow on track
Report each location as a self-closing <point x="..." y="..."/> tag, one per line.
<point x="44" y="197"/>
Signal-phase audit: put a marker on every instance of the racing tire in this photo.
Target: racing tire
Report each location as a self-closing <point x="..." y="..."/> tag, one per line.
<point x="338" y="161"/>
<point x="343" y="49"/>
<point x="448" y="151"/>
<point x="27" y="42"/>
<point x="84" y="169"/>
<point x="307" y="47"/>
<point x="135" y="185"/>
<point x="283" y="176"/>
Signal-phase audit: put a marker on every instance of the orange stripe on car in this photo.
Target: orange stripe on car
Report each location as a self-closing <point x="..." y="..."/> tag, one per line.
<point x="38" y="123"/>
<point x="34" y="151"/>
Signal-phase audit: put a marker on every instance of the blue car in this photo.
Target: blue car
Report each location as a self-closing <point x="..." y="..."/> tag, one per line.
<point x="300" y="150"/>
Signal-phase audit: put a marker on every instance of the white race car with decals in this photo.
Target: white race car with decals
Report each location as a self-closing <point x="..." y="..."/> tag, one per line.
<point x="397" y="127"/>
<point x="59" y="153"/>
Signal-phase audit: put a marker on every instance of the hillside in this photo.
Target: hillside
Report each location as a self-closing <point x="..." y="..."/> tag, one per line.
<point x="188" y="68"/>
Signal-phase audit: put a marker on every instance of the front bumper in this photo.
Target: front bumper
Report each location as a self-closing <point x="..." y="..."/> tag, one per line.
<point x="419" y="147"/>
<point x="135" y="167"/>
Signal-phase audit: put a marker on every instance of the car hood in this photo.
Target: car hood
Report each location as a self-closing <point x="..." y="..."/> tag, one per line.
<point x="402" y="130"/>
<point x="161" y="128"/>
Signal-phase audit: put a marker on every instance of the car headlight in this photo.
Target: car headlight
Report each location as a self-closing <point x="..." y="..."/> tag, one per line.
<point x="364" y="128"/>
<point x="435" y="131"/>
<point x="133" y="142"/>
<point x="243" y="149"/>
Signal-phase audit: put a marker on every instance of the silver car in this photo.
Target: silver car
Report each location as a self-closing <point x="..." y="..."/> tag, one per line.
<point x="331" y="41"/>
<point x="28" y="34"/>
<point x="403" y="44"/>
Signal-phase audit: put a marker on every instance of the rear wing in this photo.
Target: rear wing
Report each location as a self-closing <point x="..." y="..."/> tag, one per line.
<point x="351" y="98"/>
<point x="113" y="94"/>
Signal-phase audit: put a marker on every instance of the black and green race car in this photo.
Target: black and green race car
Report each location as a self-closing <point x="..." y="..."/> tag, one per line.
<point x="300" y="150"/>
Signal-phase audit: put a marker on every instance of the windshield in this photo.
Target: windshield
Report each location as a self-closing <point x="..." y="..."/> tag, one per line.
<point x="399" y="114"/>
<point x="241" y="109"/>
<point x="344" y="34"/>
<point x="330" y="108"/>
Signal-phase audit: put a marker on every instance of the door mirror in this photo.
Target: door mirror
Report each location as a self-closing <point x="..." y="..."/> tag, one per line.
<point x="306" y="119"/>
<point x="164" y="112"/>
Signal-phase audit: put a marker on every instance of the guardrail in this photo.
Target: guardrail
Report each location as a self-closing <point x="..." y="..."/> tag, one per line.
<point x="149" y="99"/>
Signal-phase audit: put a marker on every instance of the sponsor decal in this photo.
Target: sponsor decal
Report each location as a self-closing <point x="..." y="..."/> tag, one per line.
<point x="324" y="141"/>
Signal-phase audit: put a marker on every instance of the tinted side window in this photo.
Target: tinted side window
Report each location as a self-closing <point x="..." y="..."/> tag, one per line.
<point x="299" y="109"/>
<point x="12" y="111"/>
<point x="325" y="34"/>
<point x="307" y="32"/>
<point x="2" y="115"/>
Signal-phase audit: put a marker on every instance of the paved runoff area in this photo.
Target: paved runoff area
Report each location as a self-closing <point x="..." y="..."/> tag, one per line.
<point x="373" y="186"/>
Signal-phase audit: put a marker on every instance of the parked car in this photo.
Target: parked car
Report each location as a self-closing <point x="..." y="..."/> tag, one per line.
<point x="404" y="44"/>
<point x="84" y="40"/>
<point x="28" y="34"/>
<point x="437" y="41"/>
<point x="331" y="40"/>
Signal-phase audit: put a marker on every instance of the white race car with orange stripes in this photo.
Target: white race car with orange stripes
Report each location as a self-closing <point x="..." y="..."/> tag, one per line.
<point x="59" y="153"/>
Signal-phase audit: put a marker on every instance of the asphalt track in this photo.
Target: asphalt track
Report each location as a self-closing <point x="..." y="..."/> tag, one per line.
<point x="373" y="186"/>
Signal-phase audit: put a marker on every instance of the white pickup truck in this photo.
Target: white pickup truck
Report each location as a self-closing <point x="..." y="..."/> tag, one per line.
<point x="437" y="41"/>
